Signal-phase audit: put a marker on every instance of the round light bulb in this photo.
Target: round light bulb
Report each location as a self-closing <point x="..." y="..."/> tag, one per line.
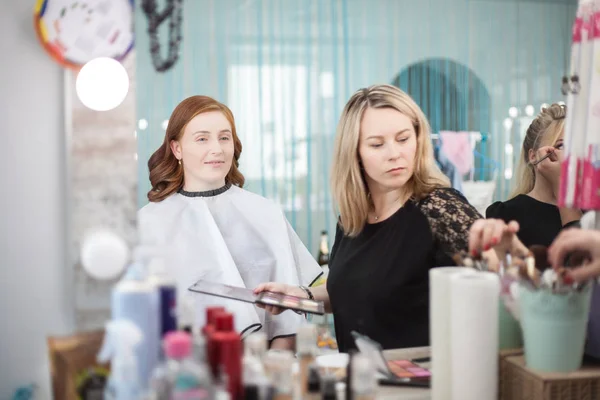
<point x="142" y="124"/>
<point x="513" y="112"/>
<point x="544" y="106"/>
<point x="561" y="103"/>
<point x="529" y="110"/>
<point x="102" y="84"/>
<point x="508" y="123"/>
<point x="104" y="254"/>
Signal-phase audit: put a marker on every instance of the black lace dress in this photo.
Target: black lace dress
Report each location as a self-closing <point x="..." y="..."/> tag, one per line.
<point x="378" y="281"/>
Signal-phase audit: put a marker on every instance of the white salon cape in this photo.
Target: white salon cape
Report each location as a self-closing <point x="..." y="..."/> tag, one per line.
<point x="236" y="238"/>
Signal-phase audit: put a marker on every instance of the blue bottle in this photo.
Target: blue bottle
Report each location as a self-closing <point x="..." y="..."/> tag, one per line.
<point x="136" y="299"/>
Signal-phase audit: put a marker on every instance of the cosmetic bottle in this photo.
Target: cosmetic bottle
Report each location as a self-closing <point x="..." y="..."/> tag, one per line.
<point x="306" y="349"/>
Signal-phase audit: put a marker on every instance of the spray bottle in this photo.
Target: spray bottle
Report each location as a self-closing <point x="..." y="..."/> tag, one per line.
<point x="120" y="342"/>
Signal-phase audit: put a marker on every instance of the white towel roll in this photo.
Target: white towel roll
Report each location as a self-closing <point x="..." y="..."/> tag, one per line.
<point x="439" y="317"/>
<point x="474" y="336"/>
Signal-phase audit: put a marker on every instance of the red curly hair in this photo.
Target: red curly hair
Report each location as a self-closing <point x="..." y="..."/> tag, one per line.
<point x="166" y="174"/>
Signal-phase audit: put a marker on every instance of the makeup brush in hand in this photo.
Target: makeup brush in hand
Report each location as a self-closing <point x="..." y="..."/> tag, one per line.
<point x="528" y="271"/>
<point x="573" y="260"/>
<point x="463" y="259"/>
<point x="459" y="258"/>
<point x="560" y="279"/>
<point x="577" y="259"/>
<point x="540" y="254"/>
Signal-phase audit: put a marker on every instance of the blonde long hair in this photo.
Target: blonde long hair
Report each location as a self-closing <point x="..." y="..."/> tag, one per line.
<point x="349" y="189"/>
<point x="543" y="131"/>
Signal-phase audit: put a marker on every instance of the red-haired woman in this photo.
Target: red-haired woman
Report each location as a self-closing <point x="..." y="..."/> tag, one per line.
<point x="214" y="229"/>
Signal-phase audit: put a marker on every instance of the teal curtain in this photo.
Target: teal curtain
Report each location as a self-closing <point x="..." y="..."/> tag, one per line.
<point x="286" y="69"/>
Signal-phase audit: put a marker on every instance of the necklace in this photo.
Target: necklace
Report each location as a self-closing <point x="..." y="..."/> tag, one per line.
<point x="376" y="217"/>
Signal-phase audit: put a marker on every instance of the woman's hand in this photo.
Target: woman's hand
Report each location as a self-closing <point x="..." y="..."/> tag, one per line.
<point x="547" y="152"/>
<point x="275" y="287"/>
<point x="548" y="165"/>
<point x="487" y="234"/>
<point x="571" y="240"/>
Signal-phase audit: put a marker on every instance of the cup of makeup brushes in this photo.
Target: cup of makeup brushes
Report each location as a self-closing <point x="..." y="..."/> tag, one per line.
<point x="554" y="327"/>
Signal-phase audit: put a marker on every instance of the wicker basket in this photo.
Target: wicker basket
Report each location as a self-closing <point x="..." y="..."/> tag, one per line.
<point x="517" y="382"/>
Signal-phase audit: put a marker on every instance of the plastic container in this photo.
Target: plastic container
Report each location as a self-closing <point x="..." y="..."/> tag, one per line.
<point x="509" y="329"/>
<point x="554" y="328"/>
<point x="183" y="376"/>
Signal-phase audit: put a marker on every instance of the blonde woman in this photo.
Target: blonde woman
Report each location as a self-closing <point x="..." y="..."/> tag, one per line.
<point x="533" y="202"/>
<point x="398" y="219"/>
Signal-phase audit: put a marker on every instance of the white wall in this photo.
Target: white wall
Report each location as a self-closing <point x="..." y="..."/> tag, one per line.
<point x="35" y="288"/>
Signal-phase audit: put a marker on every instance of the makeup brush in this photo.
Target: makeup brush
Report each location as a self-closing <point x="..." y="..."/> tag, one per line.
<point x="459" y="258"/>
<point x="484" y="264"/>
<point x="506" y="266"/>
<point x="540" y="254"/>
<point x="480" y="263"/>
<point x="508" y="273"/>
<point x="462" y="259"/>
<point x="550" y="154"/>
<point x="577" y="258"/>
<point x="564" y="281"/>
<point x="573" y="259"/>
<point x="526" y="279"/>
<point x="565" y="276"/>
<point x="527" y="271"/>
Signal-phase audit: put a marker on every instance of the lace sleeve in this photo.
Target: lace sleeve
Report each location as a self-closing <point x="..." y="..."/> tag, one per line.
<point x="450" y="217"/>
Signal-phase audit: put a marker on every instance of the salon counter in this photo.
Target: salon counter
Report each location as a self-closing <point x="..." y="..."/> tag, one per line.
<point x="405" y="393"/>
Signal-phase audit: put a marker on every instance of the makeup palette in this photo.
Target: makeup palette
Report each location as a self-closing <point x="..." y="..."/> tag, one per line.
<point x="290" y="302"/>
<point x="407" y="369"/>
<point x="394" y="372"/>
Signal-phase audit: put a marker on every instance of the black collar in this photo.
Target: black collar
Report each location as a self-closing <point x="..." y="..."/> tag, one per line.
<point x="208" y="193"/>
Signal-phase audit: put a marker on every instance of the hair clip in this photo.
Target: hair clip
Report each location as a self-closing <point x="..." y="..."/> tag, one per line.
<point x="565" y="88"/>
<point x="575" y="86"/>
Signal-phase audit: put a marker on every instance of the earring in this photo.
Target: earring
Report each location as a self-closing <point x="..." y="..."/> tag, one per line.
<point x="179" y="162"/>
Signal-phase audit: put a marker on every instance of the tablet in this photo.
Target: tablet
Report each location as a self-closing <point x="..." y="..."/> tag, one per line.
<point x="264" y="298"/>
